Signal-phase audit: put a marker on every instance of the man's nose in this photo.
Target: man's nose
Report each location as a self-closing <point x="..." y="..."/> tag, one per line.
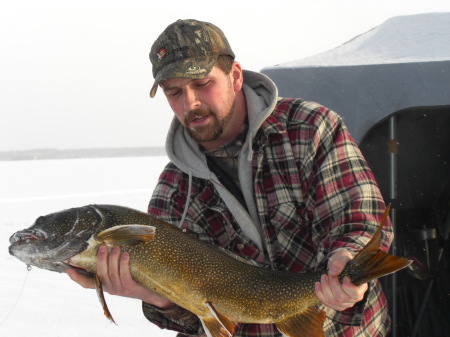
<point x="191" y="100"/>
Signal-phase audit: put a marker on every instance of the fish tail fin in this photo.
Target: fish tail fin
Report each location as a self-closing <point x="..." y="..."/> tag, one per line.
<point x="371" y="262"/>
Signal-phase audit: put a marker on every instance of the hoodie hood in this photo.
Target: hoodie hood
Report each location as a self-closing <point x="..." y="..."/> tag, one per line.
<point x="261" y="96"/>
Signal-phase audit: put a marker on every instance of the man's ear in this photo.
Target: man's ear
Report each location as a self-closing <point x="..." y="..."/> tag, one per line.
<point x="237" y="76"/>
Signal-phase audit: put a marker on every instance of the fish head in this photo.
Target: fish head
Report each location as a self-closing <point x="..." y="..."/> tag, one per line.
<point x="56" y="237"/>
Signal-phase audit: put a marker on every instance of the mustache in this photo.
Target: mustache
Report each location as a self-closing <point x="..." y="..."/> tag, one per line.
<point x="196" y="113"/>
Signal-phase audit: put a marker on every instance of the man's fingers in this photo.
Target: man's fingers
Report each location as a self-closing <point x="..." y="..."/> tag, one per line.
<point x="128" y="284"/>
<point x="114" y="271"/>
<point x="102" y="263"/>
<point x="337" y="262"/>
<point x="326" y="289"/>
<point x="324" y="294"/>
<point x="84" y="281"/>
<point x="339" y="296"/>
<point x="353" y="291"/>
<point x="338" y="293"/>
<point x="125" y="273"/>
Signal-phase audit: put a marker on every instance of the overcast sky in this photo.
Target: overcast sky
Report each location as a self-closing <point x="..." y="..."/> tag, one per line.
<point x="76" y="74"/>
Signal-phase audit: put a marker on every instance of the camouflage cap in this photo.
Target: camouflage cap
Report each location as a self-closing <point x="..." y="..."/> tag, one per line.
<point x="188" y="49"/>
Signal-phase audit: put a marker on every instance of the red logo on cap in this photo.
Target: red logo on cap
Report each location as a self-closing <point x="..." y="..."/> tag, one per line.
<point x="162" y="53"/>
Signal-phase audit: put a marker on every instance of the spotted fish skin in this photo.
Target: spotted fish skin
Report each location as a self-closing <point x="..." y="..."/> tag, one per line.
<point x="220" y="289"/>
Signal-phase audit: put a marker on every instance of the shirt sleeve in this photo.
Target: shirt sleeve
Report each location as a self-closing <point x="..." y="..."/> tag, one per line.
<point x="348" y="205"/>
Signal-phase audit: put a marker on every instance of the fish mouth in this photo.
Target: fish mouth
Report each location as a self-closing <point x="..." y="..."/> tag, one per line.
<point x="28" y="235"/>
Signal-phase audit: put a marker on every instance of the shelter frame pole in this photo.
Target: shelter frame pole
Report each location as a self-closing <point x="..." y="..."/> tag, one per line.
<point x="393" y="149"/>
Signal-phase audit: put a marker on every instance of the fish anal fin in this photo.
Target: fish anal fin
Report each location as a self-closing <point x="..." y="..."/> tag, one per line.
<point x="101" y="297"/>
<point x="127" y="235"/>
<point x="213" y="328"/>
<point x="306" y="324"/>
<point x="218" y="325"/>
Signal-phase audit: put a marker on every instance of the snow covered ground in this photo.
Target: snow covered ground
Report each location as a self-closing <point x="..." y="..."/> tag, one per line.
<point x="44" y="303"/>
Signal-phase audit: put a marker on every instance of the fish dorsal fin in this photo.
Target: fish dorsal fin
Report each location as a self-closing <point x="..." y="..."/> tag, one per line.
<point x="306" y="324"/>
<point x="218" y="325"/>
<point x="101" y="297"/>
<point x="127" y="235"/>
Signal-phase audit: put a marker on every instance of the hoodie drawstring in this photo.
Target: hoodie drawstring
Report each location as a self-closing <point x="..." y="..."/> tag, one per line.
<point x="250" y="150"/>
<point x="188" y="198"/>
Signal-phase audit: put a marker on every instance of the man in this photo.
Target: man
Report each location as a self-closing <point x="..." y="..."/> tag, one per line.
<point x="279" y="182"/>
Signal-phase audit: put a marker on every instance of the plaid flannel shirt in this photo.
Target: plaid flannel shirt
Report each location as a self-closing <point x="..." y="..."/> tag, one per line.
<point x="314" y="194"/>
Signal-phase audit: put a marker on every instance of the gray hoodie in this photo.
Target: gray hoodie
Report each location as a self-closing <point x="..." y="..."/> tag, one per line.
<point x="184" y="152"/>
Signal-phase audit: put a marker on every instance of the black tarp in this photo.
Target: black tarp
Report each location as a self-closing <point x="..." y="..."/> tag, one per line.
<point x="419" y="190"/>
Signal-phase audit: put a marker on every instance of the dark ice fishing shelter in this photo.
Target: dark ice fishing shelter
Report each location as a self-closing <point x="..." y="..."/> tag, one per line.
<point x="392" y="87"/>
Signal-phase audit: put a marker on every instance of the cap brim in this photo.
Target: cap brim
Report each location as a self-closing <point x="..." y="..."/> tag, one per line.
<point x="188" y="68"/>
<point x="153" y="90"/>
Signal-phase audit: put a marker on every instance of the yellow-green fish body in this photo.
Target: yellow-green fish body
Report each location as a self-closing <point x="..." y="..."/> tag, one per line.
<point x="213" y="284"/>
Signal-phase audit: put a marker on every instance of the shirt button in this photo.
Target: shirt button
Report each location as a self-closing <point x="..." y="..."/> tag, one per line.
<point x="240" y="246"/>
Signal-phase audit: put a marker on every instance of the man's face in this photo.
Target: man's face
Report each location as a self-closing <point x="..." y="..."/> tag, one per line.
<point x="205" y="107"/>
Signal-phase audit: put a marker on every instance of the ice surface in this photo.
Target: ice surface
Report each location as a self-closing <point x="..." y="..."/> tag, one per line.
<point x="51" y="305"/>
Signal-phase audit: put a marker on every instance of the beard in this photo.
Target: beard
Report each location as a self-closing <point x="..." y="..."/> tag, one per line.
<point x="210" y="132"/>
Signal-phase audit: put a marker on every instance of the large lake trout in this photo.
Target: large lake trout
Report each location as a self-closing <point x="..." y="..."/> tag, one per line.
<point x="218" y="287"/>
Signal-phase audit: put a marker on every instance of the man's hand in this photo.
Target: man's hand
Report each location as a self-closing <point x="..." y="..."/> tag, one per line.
<point x="113" y="270"/>
<point x="334" y="294"/>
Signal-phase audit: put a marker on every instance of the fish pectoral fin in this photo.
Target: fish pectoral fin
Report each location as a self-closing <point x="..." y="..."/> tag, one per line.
<point x="101" y="297"/>
<point x="218" y="325"/>
<point x="307" y="324"/>
<point x="127" y="235"/>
